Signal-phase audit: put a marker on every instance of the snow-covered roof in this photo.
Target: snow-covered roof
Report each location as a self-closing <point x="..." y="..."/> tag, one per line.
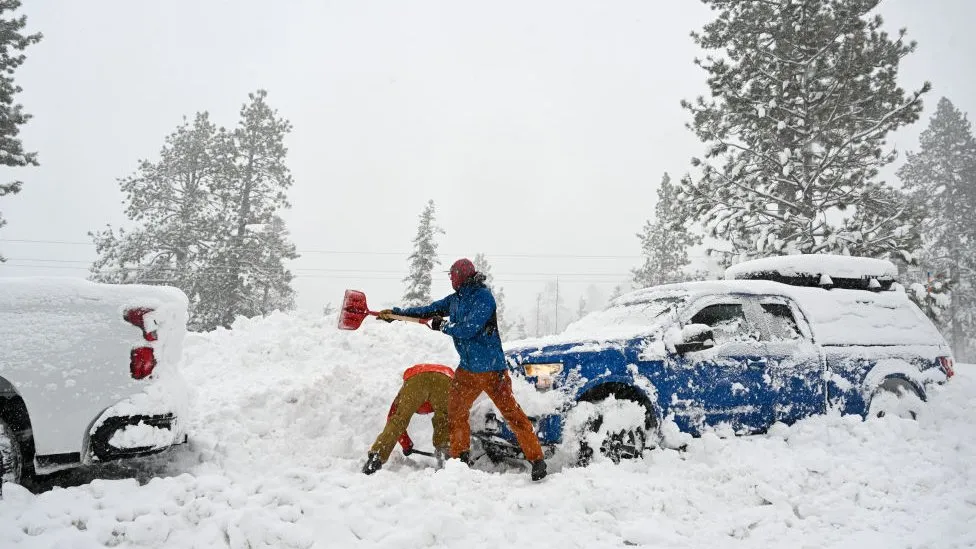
<point x="810" y="265"/>
<point x="28" y="292"/>
<point x="836" y="316"/>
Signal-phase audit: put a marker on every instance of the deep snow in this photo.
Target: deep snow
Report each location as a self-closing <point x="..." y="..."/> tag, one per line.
<point x="287" y="406"/>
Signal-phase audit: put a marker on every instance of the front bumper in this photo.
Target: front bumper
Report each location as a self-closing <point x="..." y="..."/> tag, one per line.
<point x="117" y="437"/>
<point x="499" y="440"/>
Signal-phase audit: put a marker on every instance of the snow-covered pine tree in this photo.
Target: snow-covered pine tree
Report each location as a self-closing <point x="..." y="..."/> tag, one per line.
<point x="271" y="284"/>
<point x="423" y="259"/>
<point x="664" y="241"/>
<point x="175" y="218"/>
<point x="482" y="266"/>
<point x="619" y="290"/>
<point x="803" y="94"/>
<point x="12" y="115"/>
<point x="941" y="177"/>
<point x="252" y="191"/>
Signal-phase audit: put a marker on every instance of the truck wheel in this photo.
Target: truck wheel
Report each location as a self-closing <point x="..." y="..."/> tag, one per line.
<point x="895" y="397"/>
<point x="11" y="457"/>
<point x="616" y="444"/>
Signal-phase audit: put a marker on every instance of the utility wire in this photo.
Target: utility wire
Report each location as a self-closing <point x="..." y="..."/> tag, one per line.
<point x="357" y="252"/>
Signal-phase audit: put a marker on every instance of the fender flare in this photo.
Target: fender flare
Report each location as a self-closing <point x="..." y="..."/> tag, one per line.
<point x="14" y="410"/>
<point x="893" y="369"/>
<point x="598" y="389"/>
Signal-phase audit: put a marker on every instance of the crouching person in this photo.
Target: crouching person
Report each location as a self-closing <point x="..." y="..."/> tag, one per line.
<point x="425" y="390"/>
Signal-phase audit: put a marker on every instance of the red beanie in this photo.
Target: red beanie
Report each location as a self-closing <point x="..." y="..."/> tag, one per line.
<point x="461" y="271"/>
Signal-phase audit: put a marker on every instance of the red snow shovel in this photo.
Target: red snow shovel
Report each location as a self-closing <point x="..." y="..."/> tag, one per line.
<point x="354" y="310"/>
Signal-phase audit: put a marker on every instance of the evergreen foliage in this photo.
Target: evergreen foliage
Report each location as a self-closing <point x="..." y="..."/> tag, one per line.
<point x="12" y="115"/>
<point x="205" y="219"/>
<point x="802" y="97"/>
<point x="423" y="259"/>
<point x="664" y="241"/>
<point x="941" y="178"/>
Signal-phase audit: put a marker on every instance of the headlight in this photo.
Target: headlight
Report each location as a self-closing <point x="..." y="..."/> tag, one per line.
<point x="543" y="373"/>
<point x="540" y="370"/>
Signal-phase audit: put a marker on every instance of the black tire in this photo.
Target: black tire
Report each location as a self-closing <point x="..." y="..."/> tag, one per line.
<point x="895" y="397"/>
<point x="11" y="455"/>
<point x="619" y="445"/>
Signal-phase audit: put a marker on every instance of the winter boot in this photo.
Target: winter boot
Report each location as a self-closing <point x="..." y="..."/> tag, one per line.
<point x="539" y="469"/>
<point x="465" y="456"/>
<point x="373" y="463"/>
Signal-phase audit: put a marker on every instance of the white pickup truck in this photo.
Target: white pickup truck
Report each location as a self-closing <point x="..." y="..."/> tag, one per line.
<point x="88" y="372"/>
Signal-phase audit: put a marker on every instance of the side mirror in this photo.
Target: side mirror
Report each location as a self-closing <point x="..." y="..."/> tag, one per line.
<point x="694" y="337"/>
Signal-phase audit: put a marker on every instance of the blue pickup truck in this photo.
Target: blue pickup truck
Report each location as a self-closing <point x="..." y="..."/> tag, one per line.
<point x="778" y="340"/>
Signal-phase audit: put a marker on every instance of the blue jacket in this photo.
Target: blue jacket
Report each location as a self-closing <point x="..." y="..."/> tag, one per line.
<point x="473" y="325"/>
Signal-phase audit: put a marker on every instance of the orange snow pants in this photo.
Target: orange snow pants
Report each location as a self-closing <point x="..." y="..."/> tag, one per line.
<point x="465" y="388"/>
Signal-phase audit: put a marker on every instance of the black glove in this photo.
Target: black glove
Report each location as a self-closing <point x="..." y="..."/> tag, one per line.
<point x="408" y="451"/>
<point x="436" y="323"/>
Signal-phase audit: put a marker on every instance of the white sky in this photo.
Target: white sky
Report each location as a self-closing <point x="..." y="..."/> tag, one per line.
<point x="540" y="129"/>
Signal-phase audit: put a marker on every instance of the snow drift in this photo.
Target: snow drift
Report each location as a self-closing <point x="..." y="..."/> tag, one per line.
<point x="285" y="408"/>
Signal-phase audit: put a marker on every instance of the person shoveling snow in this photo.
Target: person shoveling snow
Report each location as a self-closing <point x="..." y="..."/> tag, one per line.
<point x="425" y="389"/>
<point x="473" y="324"/>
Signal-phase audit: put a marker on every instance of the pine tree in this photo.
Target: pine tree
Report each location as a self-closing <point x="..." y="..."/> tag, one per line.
<point x="206" y="220"/>
<point x="482" y="266"/>
<point x="941" y="177"/>
<point x="423" y="259"/>
<point x="176" y="218"/>
<point x="251" y="192"/>
<point x="619" y="290"/>
<point x="803" y="95"/>
<point x="12" y="115"/>
<point x="664" y="241"/>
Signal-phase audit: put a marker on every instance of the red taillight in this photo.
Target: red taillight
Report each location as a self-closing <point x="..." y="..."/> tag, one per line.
<point x="945" y="362"/>
<point x="141" y="362"/>
<point x="136" y="317"/>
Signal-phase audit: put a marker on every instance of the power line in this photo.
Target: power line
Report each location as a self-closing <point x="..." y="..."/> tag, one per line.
<point x="359" y="252"/>
<point x="214" y="266"/>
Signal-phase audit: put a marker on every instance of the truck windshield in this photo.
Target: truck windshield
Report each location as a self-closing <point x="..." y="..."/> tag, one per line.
<point x="626" y="320"/>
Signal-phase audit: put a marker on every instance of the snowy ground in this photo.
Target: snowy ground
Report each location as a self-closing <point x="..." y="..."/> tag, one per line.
<point x="287" y="406"/>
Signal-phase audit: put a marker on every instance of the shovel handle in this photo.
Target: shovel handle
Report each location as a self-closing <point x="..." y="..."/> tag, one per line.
<point x="403" y="318"/>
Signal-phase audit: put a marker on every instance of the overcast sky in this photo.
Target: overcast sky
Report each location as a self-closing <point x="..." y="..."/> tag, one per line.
<point x="540" y="129"/>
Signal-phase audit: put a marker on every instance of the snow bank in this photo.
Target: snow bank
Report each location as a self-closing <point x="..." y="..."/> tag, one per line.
<point x="285" y="408"/>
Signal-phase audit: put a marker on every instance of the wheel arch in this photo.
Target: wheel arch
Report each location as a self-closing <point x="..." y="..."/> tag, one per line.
<point x="892" y="369"/>
<point x="601" y="390"/>
<point x="896" y="379"/>
<point x="13" y="410"/>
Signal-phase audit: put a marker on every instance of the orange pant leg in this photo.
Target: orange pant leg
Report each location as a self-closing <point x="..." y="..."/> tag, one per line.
<point x="464" y="390"/>
<point x="499" y="389"/>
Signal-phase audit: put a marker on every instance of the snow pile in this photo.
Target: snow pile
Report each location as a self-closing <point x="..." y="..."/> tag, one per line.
<point x="285" y="408"/>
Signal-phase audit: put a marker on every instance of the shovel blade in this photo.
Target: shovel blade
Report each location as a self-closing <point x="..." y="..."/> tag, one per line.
<point x="353" y="310"/>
